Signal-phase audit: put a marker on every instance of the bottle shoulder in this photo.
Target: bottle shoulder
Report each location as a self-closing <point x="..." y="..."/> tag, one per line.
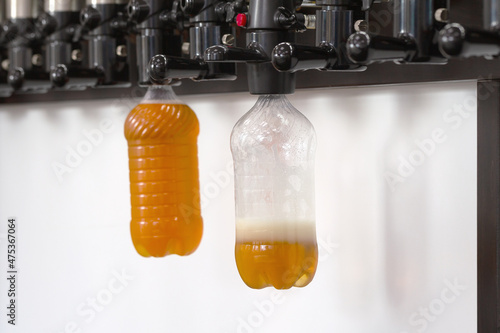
<point x="284" y="118"/>
<point x="161" y="120"/>
<point x="278" y="126"/>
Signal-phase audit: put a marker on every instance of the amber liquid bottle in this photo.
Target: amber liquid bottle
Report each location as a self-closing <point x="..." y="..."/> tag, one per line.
<point x="273" y="148"/>
<point x="162" y="135"/>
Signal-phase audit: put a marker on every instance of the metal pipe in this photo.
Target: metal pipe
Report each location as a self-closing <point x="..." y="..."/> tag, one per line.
<point x="202" y="37"/>
<point x="21" y="9"/>
<point x="106" y="2"/>
<point x="414" y="21"/>
<point x="491" y="14"/>
<point x="2" y="12"/>
<point x="413" y="17"/>
<point x="333" y="26"/>
<point x="63" y="5"/>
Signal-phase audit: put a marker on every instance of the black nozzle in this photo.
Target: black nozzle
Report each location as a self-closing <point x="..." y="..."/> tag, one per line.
<point x="59" y="76"/>
<point x="291" y="20"/>
<point x="163" y="69"/>
<point x="457" y="41"/>
<point x="227" y="11"/>
<point x="138" y="10"/>
<point x="451" y="40"/>
<point x="192" y="7"/>
<point x="46" y="24"/>
<point x="8" y="32"/>
<point x="358" y="47"/>
<point x="90" y="17"/>
<point x="158" y="68"/>
<point x="219" y="53"/>
<point x="216" y="53"/>
<point x="287" y="57"/>
<point x="16" y="78"/>
<point x="365" y="49"/>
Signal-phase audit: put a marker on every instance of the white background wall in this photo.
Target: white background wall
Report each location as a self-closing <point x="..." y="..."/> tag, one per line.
<point x="389" y="256"/>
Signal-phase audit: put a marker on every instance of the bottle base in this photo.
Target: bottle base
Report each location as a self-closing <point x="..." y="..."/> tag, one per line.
<point x="281" y="265"/>
<point x="161" y="238"/>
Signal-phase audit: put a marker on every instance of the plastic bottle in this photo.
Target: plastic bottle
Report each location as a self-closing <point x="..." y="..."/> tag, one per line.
<point x="273" y="148"/>
<point x="162" y="137"/>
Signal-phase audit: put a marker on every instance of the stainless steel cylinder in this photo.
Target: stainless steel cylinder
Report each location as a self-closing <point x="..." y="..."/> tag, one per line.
<point x="63" y="5"/>
<point x="2" y="12"/>
<point x="106" y="2"/>
<point x="333" y="26"/>
<point x="412" y="17"/>
<point x="149" y="44"/>
<point x="491" y="15"/>
<point x="21" y="9"/>
<point x="202" y="37"/>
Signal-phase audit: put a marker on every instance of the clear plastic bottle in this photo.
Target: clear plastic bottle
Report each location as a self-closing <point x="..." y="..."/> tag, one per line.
<point x="162" y="134"/>
<point x="273" y="148"/>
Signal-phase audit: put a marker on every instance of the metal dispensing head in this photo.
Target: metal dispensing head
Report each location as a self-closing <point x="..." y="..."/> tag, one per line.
<point x="268" y="23"/>
<point x="3" y="14"/>
<point x="413" y="40"/>
<point x="491" y="15"/>
<point x="5" y="89"/>
<point x="106" y="2"/>
<point x="457" y="41"/>
<point x="155" y="33"/>
<point x="24" y="47"/>
<point x="51" y="6"/>
<point x="414" y="20"/>
<point x="3" y="20"/>
<point x="209" y="25"/>
<point x="334" y="23"/>
<point x="63" y="54"/>
<point x="21" y="9"/>
<point x="104" y="26"/>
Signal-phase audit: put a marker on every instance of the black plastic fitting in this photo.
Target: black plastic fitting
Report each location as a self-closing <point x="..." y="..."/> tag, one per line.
<point x="365" y="49"/>
<point x="16" y="78"/>
<point x="192" y="7"/>
<point x="59" y="76"/>
<point x="287" y="57"/>
<point x="164" y="69"/>
<point x="138" y="10"/>
<point x="219" y="53"/>
<point x="456" y="41"/>
<point x="90" y="17"/>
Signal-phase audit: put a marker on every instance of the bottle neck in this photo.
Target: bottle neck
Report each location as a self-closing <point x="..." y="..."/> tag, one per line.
<point x="273" y="102"/>
<point x="161" y="94"/>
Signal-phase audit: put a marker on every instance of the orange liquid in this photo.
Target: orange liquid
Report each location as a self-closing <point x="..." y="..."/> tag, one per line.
<point x="276" y="263"/>
<point x="164" y="184"/>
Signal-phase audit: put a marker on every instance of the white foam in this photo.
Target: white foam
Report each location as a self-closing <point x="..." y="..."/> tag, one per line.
<point x="287" y="231"/>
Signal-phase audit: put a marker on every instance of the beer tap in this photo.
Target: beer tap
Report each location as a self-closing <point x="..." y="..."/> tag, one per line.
<point x="334" y="23"/>
<point x="5" y="89"/>
<point x="24" y="48"/>
<point x="63" y="55"/>
<point x="416" y="25"/>
<point x="156" y="22"/>
<point x="268" y="23"/>
<point x="457" y="41"/>
<point x="104" y="28"/>
<point x="209" y="25"/>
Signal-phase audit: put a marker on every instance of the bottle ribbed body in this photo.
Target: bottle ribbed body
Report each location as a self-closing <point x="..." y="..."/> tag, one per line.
<point x="164" y="182"/>
<point x="273" y="148"/>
